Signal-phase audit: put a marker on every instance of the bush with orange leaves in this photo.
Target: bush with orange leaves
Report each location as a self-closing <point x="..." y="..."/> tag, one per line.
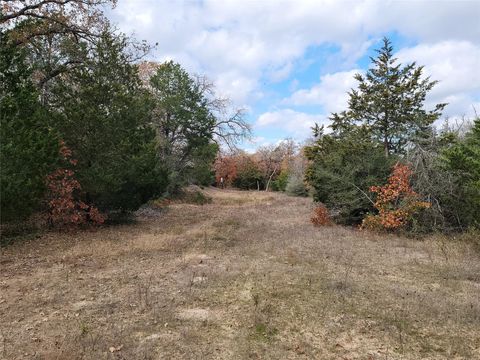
<point x="321" y="217"/>
<point x="396" y="202"/>
<point x="64" y="208"/>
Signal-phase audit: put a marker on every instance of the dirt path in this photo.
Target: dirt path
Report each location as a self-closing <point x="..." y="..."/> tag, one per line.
<point x="246" y="277"/>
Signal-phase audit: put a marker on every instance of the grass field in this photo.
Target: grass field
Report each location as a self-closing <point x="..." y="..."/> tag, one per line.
<point x="245" y="277"/>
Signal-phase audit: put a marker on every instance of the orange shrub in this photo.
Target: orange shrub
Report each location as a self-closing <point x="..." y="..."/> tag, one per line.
<point x="396" y="202"/>
<point x="64" y="208"/>
<point x="321" y="216"/>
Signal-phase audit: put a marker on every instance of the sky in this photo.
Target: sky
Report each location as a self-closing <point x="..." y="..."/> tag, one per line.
<point x="291" y="63"/>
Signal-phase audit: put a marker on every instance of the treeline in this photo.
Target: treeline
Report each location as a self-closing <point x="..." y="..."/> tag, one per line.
<point x="383" y="164"/>
<point x="275" y="167"/>
<point x="87" y="129"/>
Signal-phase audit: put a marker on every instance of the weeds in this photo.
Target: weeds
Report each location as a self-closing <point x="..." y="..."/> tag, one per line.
<point x="265" y="332"/>
<point x="321" y="217"/>
<point x="368" y="292"/>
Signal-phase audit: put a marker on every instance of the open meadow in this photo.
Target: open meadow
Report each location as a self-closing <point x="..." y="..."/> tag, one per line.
<point x="244" y="277"/>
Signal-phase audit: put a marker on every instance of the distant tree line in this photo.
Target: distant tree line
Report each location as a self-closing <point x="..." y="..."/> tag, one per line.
<point x="278" y="167"/>
<point x="87" y="127"/>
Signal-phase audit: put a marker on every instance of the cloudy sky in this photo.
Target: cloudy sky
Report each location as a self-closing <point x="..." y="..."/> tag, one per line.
<point x="290" y="63"/>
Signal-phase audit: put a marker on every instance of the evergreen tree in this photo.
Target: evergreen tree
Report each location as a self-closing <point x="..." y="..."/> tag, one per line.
<point x="105" y="123"/>
<point x="384" y="116"/>
<point x="28" y="146"/>
<point x="389" y="101"/>
<point x="343" y="168"/>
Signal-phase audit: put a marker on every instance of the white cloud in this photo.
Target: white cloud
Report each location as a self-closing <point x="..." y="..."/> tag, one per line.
<point x="330" y="92"/>
<point x="296" y="124"/>
<point x="456" y="65"/>
<point x="243" y="44"/>
<point x="252" y="38"/>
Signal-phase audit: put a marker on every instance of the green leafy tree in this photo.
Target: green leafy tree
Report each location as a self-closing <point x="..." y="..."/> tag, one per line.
<point x="249" y="175"/>
<point x="183" y="122"/>
<point x="28" y="146"/>
<point x="105" y="121"/>
<point x="201" y="170"/>
<point x="389" y="100"/>
<point x="281" y="181"/>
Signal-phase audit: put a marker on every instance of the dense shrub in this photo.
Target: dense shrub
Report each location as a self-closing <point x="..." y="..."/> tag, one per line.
<point x="105" y="122"/>
<point x="64" y="207"/>
<point x="396" y="202"/>
<point x="342" y="170"/>
<point x="463" y="161"/>
<point x="321" y="217"/>
<point x="248" y="175"/>
<point x="28" y="145"/>
<point x="201" y="171"/>
<point x="296" y="186"/>
<point x="280" y="184"/>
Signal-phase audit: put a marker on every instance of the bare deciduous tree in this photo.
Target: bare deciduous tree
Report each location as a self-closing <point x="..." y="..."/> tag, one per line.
<point x="271" y="158"/>
<point x="231" y="126"/>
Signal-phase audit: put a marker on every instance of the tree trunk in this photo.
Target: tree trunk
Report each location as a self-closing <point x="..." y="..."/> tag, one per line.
<point x="385" y="147"/>
<point x="270" y="179"/>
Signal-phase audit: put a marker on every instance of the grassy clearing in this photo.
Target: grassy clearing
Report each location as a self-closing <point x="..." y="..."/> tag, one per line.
<point x="244" y="277"/>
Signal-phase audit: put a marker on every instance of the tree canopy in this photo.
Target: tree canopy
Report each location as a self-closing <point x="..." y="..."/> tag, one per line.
<point x="389" y="101"/>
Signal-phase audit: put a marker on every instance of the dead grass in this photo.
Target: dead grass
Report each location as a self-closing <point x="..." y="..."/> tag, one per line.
<point x="245" y="277"/>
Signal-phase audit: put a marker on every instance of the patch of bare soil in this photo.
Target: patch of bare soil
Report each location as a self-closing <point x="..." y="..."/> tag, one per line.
<point x="246" y="277"/>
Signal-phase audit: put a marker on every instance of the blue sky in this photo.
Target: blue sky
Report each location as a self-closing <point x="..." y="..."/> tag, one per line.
<point x="290" y="63"/>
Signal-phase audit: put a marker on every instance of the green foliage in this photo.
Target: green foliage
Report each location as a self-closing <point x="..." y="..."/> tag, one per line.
<point x="78" y="84"/>
<point x="280" y="183"/>
<point x="463" y="160"/>
<point x="200" y="171"/>
<point x="184" y="125"/>
<point x="105" y="122"/>
<point x="389" y="101"/>
<point x="28" y="147"/>
<point x="342" y="170"/>
<point x="249" y="176"/>
<point x="385" y="116"/>
<point x="296" y="186"/>
<point x="264" y="332"/>
<point x="434" y="182"/>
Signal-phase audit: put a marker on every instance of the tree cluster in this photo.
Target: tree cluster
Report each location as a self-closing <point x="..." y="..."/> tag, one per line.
<point x="274" y="167"/>
<point x="386" y="132"/>
<point x="70" y="82"/>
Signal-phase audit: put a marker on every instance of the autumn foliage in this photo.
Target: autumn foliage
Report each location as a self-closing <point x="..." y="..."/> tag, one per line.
<point x="396" y="202"/>
<point x="321" y="217"/>
<point x="64" y="207"/>
<point x="225" y="167"/>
